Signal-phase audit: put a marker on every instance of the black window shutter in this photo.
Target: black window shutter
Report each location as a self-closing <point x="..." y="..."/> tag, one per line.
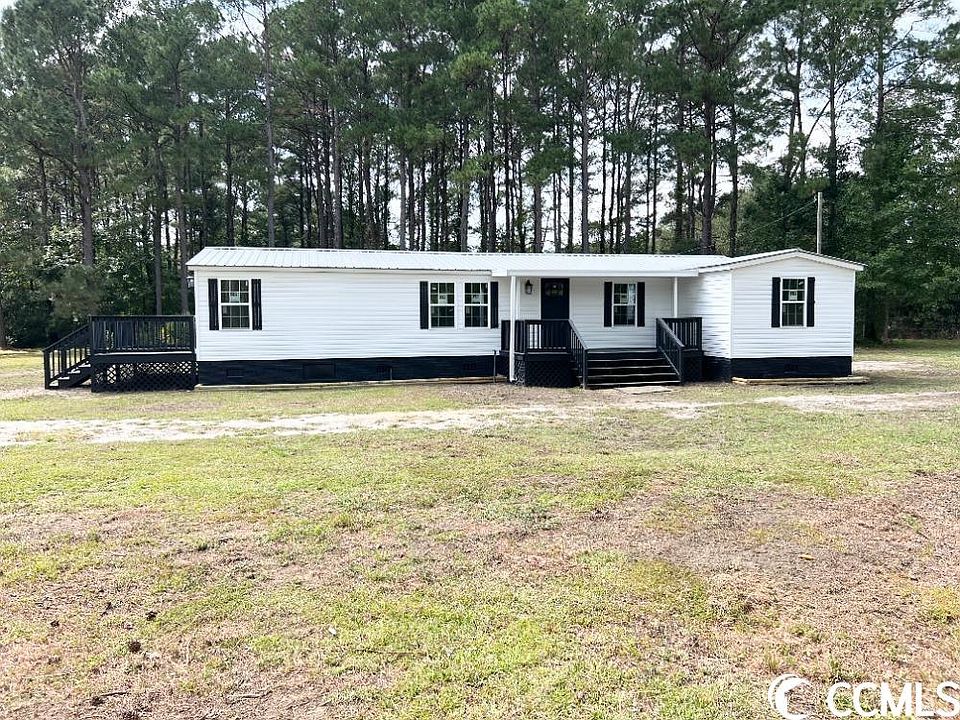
<point x="257" y="312"/>
<point x="775" y="304"/>
<point x="811" y="300"/>
<point x="608" y="304"/>
<point x="641" y="304"/>
<point x="494" y="304"/>
<point x="424" y="305"/>
<point x="213" y="300"/>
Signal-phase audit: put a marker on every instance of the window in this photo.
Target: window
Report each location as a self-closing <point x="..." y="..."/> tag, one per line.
<point x="442" y="305"/>
<point x="234" y="304"/>
<point x="793" y="302"/>
<point x="476" y="305"/>
<point x="624" y="304"/>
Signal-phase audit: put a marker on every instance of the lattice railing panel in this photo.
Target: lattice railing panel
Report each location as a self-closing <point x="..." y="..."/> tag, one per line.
<point x="142" y="377"/>
<point x="548" y="373"/>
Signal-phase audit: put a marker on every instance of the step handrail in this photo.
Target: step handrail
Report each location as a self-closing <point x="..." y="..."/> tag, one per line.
<point x="65" y="355"/>
<point x="581" y="353"/>
<point x="671" y="347"/>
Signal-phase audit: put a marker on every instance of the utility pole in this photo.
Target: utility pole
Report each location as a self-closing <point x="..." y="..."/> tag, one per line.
<point x="819" y="222"/>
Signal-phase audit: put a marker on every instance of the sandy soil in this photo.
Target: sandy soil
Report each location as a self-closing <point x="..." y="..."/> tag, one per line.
<point x="19" y="432"/>
<point x="861" y="367"/>
<point x="16" y="432"/>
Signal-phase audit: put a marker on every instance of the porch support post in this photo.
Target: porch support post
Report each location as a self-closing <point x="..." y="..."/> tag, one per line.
<point x="676" y="297"/>
<point x="513" y="324"/>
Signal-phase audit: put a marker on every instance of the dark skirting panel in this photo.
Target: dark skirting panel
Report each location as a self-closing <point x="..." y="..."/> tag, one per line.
<point x="142" y="376"/>
<point x="268" y="372"/>
<point x="715" y="368"/>
<point x="544" y="370"/>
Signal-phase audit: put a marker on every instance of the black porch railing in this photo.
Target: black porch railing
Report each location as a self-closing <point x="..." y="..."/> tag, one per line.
<point x="670" y="346"/>
<point x="680" y="340"/>
<point x="689" y="331"/>
<point x="66" y="355"/>
<point x="142" y="333"/>
<point x="548" y="336"/>
<point x="581" y="355"/>
<point x="536" y="336"/>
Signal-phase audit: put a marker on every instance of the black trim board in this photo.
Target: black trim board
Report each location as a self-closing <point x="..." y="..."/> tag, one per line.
<point x="717" y="368"/>
<point x="307" y="370"/>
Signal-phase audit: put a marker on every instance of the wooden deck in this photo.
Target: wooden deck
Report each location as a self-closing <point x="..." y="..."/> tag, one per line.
<point x="118" y="352"/>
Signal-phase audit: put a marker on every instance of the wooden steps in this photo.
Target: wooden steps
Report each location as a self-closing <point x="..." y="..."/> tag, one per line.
<point x="75" y="377"/>
<point x="628" y="367"/>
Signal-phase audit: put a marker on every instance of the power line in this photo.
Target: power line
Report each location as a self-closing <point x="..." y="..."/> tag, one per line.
<point x="759" y="227"/>
<point x="781" y="219"/>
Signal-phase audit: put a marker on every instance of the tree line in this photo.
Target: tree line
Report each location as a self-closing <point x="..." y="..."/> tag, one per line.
<point x="133" y="136"/>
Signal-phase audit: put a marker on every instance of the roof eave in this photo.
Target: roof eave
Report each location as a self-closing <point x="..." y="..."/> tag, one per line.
<point x="764" y="258"/>
<point x="626" y="272"/>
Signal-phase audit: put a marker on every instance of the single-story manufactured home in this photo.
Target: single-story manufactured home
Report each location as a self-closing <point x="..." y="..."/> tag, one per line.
<point x="282" y="315"/>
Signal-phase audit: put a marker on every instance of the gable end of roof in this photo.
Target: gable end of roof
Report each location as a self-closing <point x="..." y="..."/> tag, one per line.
<point x="763" y="258"/>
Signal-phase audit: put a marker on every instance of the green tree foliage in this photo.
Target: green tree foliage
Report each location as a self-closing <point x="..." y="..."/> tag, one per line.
<point x="133" y="136"/>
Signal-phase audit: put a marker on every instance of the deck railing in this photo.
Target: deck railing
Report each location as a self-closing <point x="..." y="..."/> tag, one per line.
<point x="143" y="333"/>
<point x="536" y="336"/>
<point x="66" y="354"/>
<point x="689" y="330"/>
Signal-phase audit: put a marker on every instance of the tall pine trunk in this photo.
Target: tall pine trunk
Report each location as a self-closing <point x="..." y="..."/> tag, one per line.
<point x="707" y="206"/>
<point x="268" y="126"/>
<point x="584" y="164"/>
<point x="464" y="186"/>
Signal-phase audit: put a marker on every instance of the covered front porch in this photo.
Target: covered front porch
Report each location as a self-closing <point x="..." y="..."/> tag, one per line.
<point x="599" y="332"/>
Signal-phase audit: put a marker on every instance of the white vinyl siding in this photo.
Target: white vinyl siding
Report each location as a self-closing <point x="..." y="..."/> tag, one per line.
<point x="335" y="314"/>
<point x="832" y="332"/>
<point x="360" y="314"/>
<point x="709" y="297"/>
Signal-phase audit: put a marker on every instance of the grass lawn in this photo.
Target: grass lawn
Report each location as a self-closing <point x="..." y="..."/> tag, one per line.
<point x="475" y="551"/>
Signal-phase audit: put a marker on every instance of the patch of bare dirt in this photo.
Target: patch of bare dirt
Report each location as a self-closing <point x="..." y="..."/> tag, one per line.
<point x="542" y="406"/>
<point x="866" y="402"/>
<point x="24" y="392"/>
<point x="18" y="432"/>
<point x="893" y="366"/>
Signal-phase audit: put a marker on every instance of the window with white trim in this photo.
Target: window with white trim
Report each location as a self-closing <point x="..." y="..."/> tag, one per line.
<point x="476" y="305"/>
<point x="442" y="304"/>
<point x="234" y="304"/>
<point x="624" y="304"/>
<point x="793" y="302"/>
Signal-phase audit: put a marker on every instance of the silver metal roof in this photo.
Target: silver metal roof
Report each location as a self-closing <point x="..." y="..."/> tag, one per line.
<point x="498" y="264"/>
<point x="495" y="263"/>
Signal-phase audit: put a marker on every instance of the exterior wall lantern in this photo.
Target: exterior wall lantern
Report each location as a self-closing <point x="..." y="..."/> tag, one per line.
<point x="528" y="288"/>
